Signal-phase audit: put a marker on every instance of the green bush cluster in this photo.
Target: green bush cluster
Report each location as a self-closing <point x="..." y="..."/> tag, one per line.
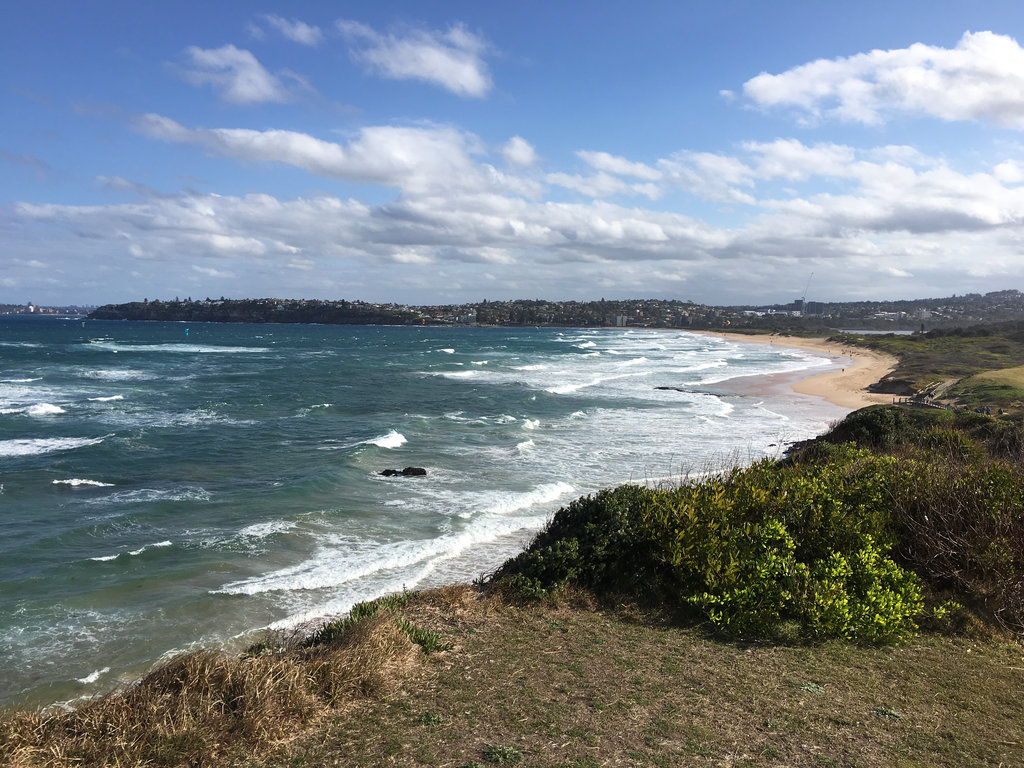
<point x="777" y="543"/>
<point x="838" y="539"/>
<point x="749" y="550"/>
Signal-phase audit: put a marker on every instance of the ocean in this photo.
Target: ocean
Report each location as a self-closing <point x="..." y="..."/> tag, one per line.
<point x="165" y="486"/>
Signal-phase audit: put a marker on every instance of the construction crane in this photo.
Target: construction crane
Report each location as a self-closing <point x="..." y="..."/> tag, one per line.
<point x="803" y="299"/>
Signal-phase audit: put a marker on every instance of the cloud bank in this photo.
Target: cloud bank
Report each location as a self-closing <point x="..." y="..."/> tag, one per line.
<point x="982" y="78"/>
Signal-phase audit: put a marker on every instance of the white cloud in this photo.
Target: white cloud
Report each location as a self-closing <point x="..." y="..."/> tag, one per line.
<point x="949" y="230"/>
<point x="211" y="272"/>
<point x="710" y="176"/>
<point x="1009" y="172"/>
<point x="295" y="30"/>
<point x="793" y="160"/>
<point x="602" y="185"/>
<point x="602" y="161"/>
<point x="518" y="151"/>
<point x="413" y="159"/>
<point x="452" y="59"/>
<point x="982" y="78"/>
<point x="237" y="74"/>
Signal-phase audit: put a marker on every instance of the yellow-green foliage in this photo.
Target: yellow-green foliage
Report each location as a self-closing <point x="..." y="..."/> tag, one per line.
<point x="818" y="539"/>
<point x="749" y="549"/>
<point x="791" y="542"/>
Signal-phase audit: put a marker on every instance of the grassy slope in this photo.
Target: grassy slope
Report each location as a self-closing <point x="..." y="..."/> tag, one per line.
<point x="568" y="685"/>
<point x="926" y="362"/>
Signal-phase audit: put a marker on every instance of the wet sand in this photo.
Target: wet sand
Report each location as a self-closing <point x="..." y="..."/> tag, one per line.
<point x="845" y="385"/>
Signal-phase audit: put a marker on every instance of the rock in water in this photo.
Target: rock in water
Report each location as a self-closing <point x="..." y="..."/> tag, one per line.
<point x="407" y="472"/>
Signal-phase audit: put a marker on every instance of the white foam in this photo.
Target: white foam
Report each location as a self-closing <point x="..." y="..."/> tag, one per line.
<point x="392" y="439"/>
<point x="109" y="399"/>
<point x="479" y="362"/>
<point x="343" y="561"/>
<point x="147" y="495"/>
<point x="531" y="423"/>
<point x="505" y="419"/>
<point x="634" y="361"/>
<point x="94" y="676"/>
<point x="18" y="381"/>
<point x="525" y="445"/>
<point x="132" y="553"/>
<point x="263" y="530"/>
<point x="77" y="481"/>
<point x="158" y="545"/>
<point x="586" y="345"/>
<point x="460" y="374"/>
<point x="542" y="494"/>
<point x="118" y="374"/>
<point x="174" y="348"/>
<point x="448" y="351"/>
<point x="568" y="389"/>
<point x="40" y="445"/>
<point x="535" y="367"/>
<point x="44" y="409"/>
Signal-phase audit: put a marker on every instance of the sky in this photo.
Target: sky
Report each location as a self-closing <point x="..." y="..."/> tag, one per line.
<point x="423" y="152"/>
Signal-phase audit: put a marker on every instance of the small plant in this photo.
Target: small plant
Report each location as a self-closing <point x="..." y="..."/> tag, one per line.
<point x="430" y="718"/>
<point x="498" y="754"/>
<point x="427" y="639"/>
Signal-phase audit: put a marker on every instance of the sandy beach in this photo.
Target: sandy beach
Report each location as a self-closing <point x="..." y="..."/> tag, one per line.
<point x="845" y="387"/>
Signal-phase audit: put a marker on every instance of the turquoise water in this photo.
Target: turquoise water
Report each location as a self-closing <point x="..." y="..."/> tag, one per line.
<point x="165" y="485"/>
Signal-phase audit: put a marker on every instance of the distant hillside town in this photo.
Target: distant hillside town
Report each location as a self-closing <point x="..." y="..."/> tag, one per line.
<point x="34" y="309"/>
<point x="913" y="314"/>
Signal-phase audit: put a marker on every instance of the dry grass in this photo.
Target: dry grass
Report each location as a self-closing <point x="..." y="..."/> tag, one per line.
<point x="201" y="707"/>
<point x="572" y="685"/>
<point x="563" y="683"/>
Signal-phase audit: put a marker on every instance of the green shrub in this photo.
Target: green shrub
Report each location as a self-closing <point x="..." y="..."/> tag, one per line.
<point x="951" y="443"/>
<point x="745" y="549"/>
<point x="599" y="542"/>
<point x="866" y="597"/>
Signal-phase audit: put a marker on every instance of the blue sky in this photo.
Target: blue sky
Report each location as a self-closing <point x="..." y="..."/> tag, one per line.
<point x="449" y="152"/>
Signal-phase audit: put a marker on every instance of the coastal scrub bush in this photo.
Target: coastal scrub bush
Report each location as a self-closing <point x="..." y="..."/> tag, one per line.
<point x="745" y="549"/>
<point x="878" y="427"/>
<point x="600" y="542"/>
<point x="748" y="548"/>
<point x="961" y="528"/>
<point x="866" y="596"/>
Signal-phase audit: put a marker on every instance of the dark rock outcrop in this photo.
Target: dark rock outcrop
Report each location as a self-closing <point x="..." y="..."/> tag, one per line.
<point x="407" y="472"/>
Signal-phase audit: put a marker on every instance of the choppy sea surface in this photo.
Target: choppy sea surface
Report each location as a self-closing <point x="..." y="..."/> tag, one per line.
<point x="166" y="485"/>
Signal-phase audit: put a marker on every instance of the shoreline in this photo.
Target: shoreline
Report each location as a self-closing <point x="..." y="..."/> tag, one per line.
<point x="845" y="385"/>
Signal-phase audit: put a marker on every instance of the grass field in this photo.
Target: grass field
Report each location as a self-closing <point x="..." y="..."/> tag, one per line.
<point x="1004" y="387"/>
<point x="571" y="685"/>
<point x="973" y="369"/>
